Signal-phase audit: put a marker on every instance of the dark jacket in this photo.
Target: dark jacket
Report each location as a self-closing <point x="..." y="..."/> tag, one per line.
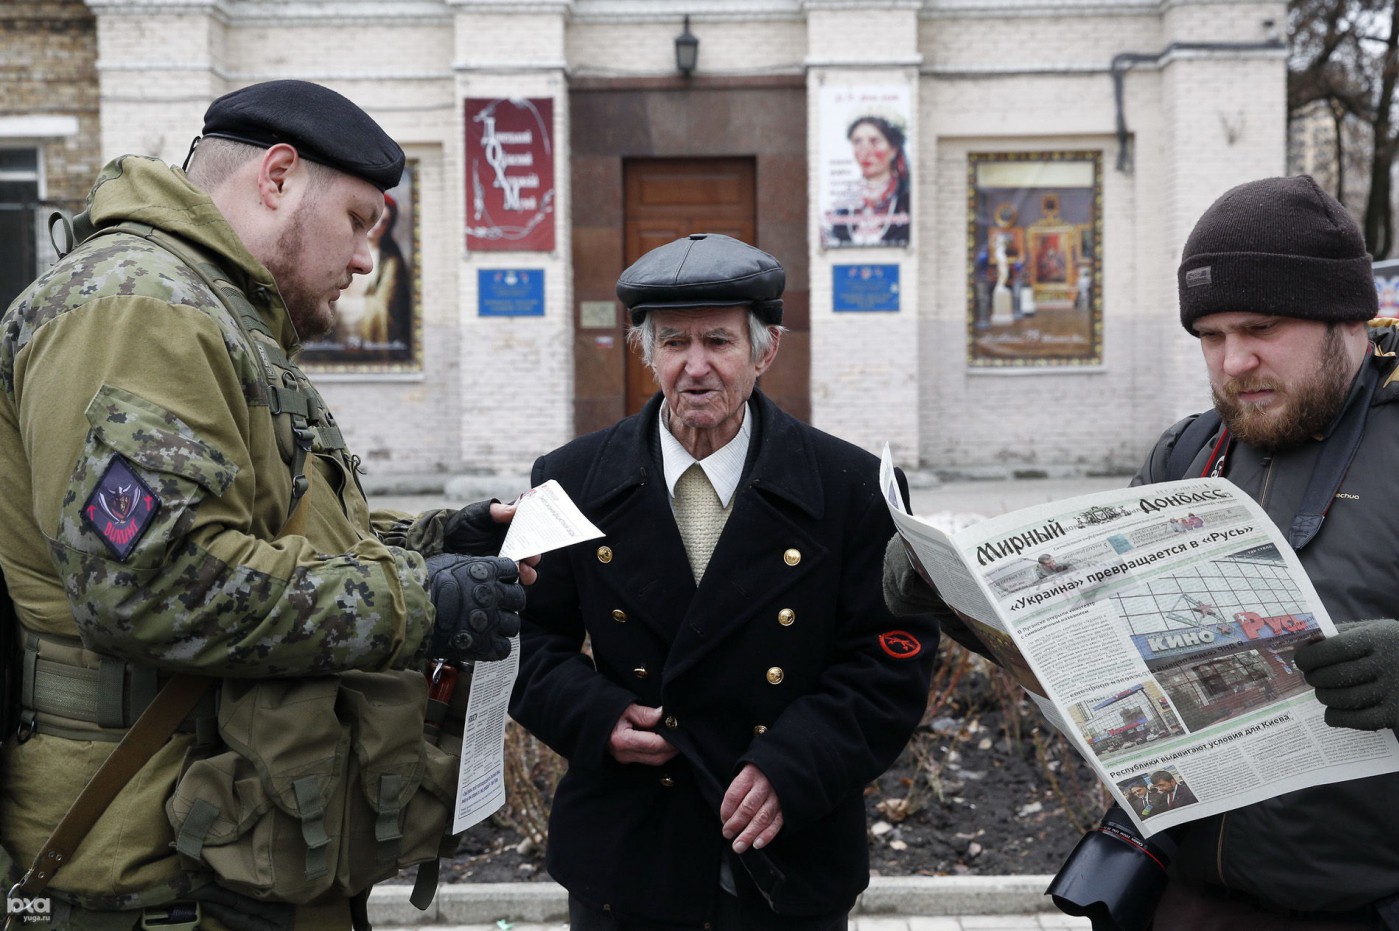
<point x="777" y="659"/>
<point x="1330" y="847"/>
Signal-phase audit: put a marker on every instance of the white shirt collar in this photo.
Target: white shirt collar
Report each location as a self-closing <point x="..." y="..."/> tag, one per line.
<point x="723" y="467"/>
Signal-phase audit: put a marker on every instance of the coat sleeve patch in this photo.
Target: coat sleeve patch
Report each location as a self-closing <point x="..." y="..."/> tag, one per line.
<point x="900" y="644"/>
<point x="120" y="508"/>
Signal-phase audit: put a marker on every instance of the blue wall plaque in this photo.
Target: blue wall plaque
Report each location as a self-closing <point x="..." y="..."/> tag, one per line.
<point x="866" y="287"/>
<point x="510" y="292"/>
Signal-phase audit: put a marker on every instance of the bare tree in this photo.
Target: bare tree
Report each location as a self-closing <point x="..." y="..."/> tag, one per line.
<point x="1345" y="54"/>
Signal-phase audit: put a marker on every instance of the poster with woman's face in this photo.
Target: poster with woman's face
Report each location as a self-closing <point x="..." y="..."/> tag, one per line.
<point x="378" y="322"/>
<point x="866" y="185"/>
<point x="1034" y="259"/>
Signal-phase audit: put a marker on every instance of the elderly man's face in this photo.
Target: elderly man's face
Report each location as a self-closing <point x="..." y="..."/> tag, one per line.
<point x="704" y="364"/>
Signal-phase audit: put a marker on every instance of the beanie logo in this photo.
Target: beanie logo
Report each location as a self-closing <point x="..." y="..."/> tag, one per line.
<point x="1197" y="277"/>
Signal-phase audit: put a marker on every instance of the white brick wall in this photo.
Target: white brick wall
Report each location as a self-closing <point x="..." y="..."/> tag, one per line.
<point x="984" y="75"/>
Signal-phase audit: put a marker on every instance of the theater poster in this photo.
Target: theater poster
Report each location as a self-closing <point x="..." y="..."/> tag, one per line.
<point x="866" y="180"/>
<point x="510" y="174"/>
<point x="378" y="326"/>
<point x="1034" y="259"/>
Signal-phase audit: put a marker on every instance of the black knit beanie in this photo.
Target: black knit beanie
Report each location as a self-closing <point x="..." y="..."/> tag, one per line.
<point x="1279" y="246"/>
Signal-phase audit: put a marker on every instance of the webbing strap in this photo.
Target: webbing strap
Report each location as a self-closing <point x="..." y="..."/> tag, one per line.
<point x="425" y="886"/>
<point x="111" y="687"/>
<point x="310" y="808"/>
<point x="195" y="831"/>
<point x="111" y="696"/>
<point x="387" y="833"/>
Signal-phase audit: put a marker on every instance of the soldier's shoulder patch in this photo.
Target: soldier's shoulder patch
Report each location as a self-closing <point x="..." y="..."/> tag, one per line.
<point x="120" y="508"/>
<point x="900" y="644"/>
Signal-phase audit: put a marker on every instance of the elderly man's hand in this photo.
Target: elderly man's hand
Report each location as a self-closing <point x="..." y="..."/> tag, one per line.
<point x="1356" y="674"/>
<point x="751" y="811"/>
<point x="634" y="738"/>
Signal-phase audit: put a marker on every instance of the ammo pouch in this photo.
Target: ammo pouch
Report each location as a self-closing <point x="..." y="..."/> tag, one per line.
<point x="327" y="785"/>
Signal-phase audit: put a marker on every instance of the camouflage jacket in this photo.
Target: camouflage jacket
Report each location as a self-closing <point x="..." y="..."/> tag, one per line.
<point x="146" y="494"/>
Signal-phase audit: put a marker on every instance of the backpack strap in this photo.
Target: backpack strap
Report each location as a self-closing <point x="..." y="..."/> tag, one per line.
<point x="1334" y="461"/>
<point x="1191" y="440"/>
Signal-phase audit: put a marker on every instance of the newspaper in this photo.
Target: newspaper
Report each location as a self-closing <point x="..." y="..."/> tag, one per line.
<point x="545" y="519"/>
<point x="1154" y="626"/>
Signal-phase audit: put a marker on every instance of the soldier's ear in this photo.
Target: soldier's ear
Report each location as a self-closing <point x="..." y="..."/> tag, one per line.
<point x="275" y="169"/>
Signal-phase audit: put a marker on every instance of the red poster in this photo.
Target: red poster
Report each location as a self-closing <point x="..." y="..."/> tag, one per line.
<point x="510" y="174"/>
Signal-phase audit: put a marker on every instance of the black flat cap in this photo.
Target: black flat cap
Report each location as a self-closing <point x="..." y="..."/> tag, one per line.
<point x="319" y="123"/>
<point x="704" y="270"/>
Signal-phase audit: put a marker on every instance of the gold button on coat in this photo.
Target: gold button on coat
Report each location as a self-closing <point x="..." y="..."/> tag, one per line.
<point x="619" y="615"/>
<point x="786" y="617"/>
<point x="759" y="729"/>
<point x="775" y="675"/>
<point x="792" y="557"/>
<point x="667" y="781"/>
<point x="640" y="672"/>
<point x="671" y="722"/>
<point x="604" y="554"/>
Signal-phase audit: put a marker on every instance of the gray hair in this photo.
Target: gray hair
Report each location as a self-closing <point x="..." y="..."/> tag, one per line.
<point x="760" y="337"/>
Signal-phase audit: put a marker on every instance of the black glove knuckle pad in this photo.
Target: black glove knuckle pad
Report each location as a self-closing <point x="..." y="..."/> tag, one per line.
<point x="474" y="597"/>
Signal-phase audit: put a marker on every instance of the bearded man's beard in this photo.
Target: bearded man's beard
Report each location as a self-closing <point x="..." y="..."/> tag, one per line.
<point x="1299" y="412"/>
<point x="302" y="299"/>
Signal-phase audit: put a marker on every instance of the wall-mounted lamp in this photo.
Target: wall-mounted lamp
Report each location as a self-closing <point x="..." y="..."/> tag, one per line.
<point x="686" y="50"/>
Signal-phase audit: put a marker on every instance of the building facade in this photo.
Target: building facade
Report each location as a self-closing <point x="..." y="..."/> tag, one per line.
<point x="49" y="134"/>
<point x="980" y="204"/>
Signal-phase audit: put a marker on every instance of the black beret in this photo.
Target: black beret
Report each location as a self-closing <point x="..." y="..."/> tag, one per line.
<point x="319" y="123"/>
<point x="704" y="270"/>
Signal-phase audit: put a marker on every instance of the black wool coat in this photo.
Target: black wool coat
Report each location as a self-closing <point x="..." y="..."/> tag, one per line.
<point x="785" y="657"/>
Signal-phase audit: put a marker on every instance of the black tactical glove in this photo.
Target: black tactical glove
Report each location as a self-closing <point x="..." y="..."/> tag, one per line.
<point x="1356" y="674"/>
<point x="472" y="531"/>
<point x="905" y="591"/>
<point x="478" y="600"/>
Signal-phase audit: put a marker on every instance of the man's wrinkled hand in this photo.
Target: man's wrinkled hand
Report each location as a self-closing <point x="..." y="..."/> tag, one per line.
<point x="751" y="811"/>
<point x="478" y="600"/>
<point x="634" y="738"/>
<point x="1356" y="674"/>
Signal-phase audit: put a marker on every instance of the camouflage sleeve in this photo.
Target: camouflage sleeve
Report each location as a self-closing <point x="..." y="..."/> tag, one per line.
<point x="391" y="527"/>
<point x="469" y="531"/>
<point x="160" y="486"/>
<point x="423" y="533"/>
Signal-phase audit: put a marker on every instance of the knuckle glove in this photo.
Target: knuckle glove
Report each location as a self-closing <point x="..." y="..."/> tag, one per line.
<point x="477" y="600"/>
<point x="905" y="591"/>
<point x="472" y="532"/>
